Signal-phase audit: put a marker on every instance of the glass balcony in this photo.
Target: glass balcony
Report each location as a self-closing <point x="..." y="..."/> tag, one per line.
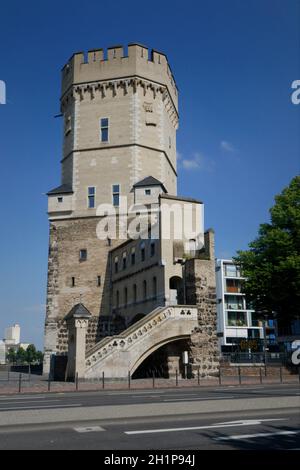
<point x="236" y="319"/>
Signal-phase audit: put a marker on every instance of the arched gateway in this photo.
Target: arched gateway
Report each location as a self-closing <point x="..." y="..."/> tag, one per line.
<point x="118" y="355"/>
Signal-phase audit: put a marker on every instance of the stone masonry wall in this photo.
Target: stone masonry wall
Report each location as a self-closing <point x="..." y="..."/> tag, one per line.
<point x="67" y="238"/>
<point x="200" y="284"/>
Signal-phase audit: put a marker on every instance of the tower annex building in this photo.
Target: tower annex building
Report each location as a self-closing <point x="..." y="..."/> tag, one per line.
<point x="131" y="276"/>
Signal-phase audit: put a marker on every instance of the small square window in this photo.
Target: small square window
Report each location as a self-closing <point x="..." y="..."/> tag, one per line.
<point x="148" y="192"/>
<point x="83" y="255"/>
<point x="60" y="199"/>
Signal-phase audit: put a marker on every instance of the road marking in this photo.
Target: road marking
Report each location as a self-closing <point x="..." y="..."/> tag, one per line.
<point x="253" y="421"/>
<point x="254" y="436"/>
<point x="22" y="398"/>
<point x="33" y="401"/>
<point x="202" y="398"/>
<point x="240" y="389"/>
<point x="195" y="428"/>
<point x="40" y="407"/>
<point x="166" y="395"/>
<point x="89" y="429"/>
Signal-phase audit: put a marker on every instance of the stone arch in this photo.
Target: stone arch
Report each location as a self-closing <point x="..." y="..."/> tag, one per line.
<point x="176" y="290"/>
<point x="154" y="348"/>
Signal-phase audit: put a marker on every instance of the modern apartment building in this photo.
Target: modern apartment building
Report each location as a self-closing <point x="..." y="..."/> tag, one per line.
<point x="239" y="327"/>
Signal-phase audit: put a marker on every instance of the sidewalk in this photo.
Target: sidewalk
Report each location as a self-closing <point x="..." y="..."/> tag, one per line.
<point x="41" y="385"/>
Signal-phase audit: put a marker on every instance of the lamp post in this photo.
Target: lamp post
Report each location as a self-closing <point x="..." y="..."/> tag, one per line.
<point x="265" y="315"/>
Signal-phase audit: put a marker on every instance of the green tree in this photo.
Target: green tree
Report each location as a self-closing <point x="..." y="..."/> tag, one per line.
<point x="11" y="356"/>
<point x="21" y="355"/>
<point x="39" y="357"/>
<point x="272" y="264"/>
<point x="30" y="354"/>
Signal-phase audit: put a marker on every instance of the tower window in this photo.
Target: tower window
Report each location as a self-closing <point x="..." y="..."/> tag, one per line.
<point x="116" y="264"/>
<point x="133" y="256"/>
<point x="124" y="260"/>
<point x="91" y="197"/>
<point x="152" y="249"/>
<point x="104" y="130"/>
<point x="143" y="252"/>
<point x="60" y="199"/>
<point x="134" y="293"/>
<point x="148" y="192"/>
<point x="125" y="296"/>
<point x="144" y="290"/>
<point x="73" y="282"/>
<point x="83" y="255"/>
<point x="116" y="194"/>
<point x="68" y="125"/>
<point x="98" y="281"/>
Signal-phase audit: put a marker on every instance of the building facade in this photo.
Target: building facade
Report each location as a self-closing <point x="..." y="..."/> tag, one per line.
<point x="120" y="237"/>
<point x="239" y="327"/>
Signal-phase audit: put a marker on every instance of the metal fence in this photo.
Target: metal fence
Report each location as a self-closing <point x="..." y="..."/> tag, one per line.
<point x="268" y="358"/>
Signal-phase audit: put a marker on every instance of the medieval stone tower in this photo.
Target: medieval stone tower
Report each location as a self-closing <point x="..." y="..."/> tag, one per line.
<point x="120" y="114"/>
<point x="120" y="119"/>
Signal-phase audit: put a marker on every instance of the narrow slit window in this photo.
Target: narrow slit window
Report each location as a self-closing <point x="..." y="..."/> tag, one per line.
<point x="152" y="249"/>
<point x="116" y="194"/>
<point x="91" y="197"/>
<point x="73" y="282"/>
<point x="98" y="281"/>
<point x="133" y="257"/>
<point x="104" y="126"/>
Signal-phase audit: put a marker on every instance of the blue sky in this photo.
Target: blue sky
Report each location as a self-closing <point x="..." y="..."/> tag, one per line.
<point x="238" y="143"/>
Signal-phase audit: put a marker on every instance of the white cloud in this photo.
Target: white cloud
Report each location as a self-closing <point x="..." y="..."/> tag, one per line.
<point x="198" y="162"/>
<point x="190" y="164"/>
<point x="227" y="146"/>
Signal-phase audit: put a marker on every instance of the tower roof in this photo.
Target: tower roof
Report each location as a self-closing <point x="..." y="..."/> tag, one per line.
<point x="63" y="189"/>
<point x="78" y="311"/>
<point x="149" y="181"/>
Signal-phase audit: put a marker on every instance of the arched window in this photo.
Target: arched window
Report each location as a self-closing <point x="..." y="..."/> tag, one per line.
<point x="124" y="260"/>
<point x="116" y="264"/>
<point x="143" y="251"/>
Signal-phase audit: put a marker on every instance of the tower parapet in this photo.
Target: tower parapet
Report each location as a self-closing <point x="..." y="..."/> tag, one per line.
<point x="100" y="65"/>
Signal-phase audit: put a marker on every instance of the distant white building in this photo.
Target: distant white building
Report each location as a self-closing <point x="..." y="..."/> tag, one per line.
<point x="12" y="335"/>
<point x="2" y="352"/>
<point x="239" y="327"/>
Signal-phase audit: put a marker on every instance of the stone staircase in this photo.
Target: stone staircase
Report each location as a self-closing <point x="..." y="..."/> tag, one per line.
<point x="123" y="353"/>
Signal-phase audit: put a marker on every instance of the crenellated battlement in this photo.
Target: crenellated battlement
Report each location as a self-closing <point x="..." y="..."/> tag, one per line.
<point x="119" y="62"/>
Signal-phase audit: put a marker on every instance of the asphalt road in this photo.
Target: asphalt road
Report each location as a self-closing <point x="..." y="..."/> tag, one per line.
<point x="247" y="417"/>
